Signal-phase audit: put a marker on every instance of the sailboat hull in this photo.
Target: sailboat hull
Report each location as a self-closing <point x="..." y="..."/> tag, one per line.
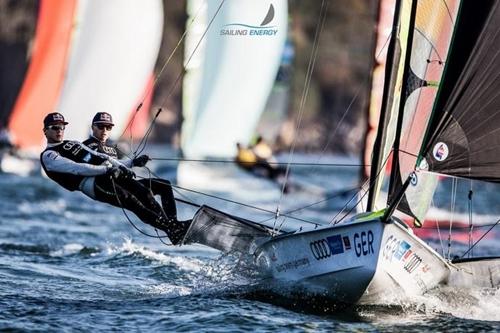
<point x="366" y="262"/>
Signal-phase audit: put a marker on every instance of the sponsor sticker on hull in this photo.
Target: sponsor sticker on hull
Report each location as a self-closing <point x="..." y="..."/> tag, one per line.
<point x="337" y="244"/>
<point x="401" y="252"/>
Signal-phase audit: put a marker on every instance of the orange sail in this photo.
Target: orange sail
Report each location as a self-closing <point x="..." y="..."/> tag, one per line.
<point x="138" y="121"/>
<point x="41" y="88"/>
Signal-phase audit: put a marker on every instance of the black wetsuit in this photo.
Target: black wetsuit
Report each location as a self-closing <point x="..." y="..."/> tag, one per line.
<point x="158" y="186"/>
<point x="70" y="163"/>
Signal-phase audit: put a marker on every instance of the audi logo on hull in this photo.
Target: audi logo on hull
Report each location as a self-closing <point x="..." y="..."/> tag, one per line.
<point x="320" y="249"/>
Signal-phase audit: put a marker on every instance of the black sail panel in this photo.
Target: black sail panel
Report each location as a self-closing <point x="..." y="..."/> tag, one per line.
<point x="464" y="136"/>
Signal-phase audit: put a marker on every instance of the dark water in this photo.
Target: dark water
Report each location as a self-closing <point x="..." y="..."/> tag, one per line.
<point x="68" y="263"/>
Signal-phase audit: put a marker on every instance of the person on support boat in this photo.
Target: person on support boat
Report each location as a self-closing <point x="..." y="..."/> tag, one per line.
<point x="255" y="161"/>
<point x="266" y="160"/>
<point x="245" y="157"/>
<point x="101" y="177"/>
<point x="102" y="125"/>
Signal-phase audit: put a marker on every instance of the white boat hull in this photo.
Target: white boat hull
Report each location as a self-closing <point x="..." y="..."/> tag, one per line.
<point x="361" y="261"/>
<point x="365" y="262"/>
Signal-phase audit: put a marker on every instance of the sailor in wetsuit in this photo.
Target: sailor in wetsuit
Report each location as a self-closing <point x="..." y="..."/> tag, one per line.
<point x="102" y="124"/>
<point x="76" y="167"/>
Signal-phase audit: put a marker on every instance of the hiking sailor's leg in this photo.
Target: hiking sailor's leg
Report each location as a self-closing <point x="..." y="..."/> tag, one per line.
<point x="135" y="197"/>
<point x="142" y="193"/>
<point x="163" y="188"/>
<point x="176" y="230"/>
<point x="117" y="196"/>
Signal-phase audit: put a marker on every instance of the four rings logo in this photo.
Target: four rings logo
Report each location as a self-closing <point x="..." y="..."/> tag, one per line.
<point x="320" y="249"/>
<point x="329" y="246"/>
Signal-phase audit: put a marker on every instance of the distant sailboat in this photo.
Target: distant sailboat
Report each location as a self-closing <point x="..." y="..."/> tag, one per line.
<point x="229" y="76"/>
<point x="373" y="257"/>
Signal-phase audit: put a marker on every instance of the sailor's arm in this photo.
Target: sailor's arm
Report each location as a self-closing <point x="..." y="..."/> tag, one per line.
<point x="123" y="158"/>
<point x="53" y="161"/>
<point x="114" y="162"/>
<point x="129" y="163"/>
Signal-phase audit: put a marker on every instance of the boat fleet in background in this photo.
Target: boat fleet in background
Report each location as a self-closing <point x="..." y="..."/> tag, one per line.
<point x="91" y="56"/>
<point x="87" y="56"/>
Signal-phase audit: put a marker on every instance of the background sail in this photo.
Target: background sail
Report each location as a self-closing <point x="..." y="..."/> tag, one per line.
<point x="115" y="47"/>
<point x="235" y="67"/>
<point x="383" y="33"/>
<point x="43" y="81"/>
<point x="434" y="22"/>
<point x="465" y="140"/>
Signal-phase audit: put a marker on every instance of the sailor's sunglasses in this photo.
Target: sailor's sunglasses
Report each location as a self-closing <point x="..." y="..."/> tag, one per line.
<point x="107" y="127"/>
<point x="56" y="127"/>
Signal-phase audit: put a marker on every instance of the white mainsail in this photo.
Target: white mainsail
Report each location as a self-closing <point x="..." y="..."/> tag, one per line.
<point x="114" y="50"/>
<point x="230" y="75"/>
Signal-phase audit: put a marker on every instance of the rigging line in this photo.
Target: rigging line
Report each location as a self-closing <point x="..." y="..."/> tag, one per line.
<point x="351" y="103"/>
<point x="339" y="193"/>
<point x="286" y="214"/>
<point x="370" y="183"/>
<point x="144" y="139"/>
<point x="452" y="209"/>
<point x="241" y="204"/>
<point x="224" y="199"/>
<point x="333" y="221"/>
<point x="160" y="73"/>
<point x="187" y="200"/>
<point x="130" y="221"/>
<point x="471" y="225"/>
<point x="356" y="95"/>
<point x="462" y="228"/>
<point x="438" y="230"/>
<point x="408" y="153"/>
<point x="470" y="249"/>
<point x="330" y="137"/>
<point x="312" y="62"/>
<point x="231" y="161"/>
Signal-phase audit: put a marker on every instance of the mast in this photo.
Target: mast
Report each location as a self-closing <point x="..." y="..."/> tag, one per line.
<point x="393" y="55"/>
<point x="405" y="92"/>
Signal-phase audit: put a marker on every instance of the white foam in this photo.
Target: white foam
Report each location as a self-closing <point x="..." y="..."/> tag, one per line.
<point x="182" y="262"/>
<point x="67" y="249"/>
<point x="473" y="303"/>
<point x="478" y="304"/>
<point x="170" y="290"/>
